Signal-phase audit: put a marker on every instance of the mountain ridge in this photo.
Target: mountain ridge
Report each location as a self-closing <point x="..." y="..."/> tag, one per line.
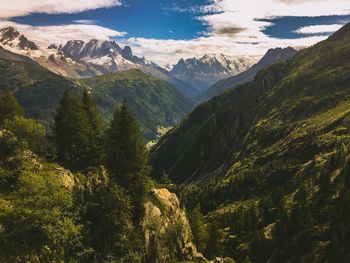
<point x="270" y="57"/>
<point x="268" y="161"/>
<point x="204" y="71"/>
<point x="77" y="59"/>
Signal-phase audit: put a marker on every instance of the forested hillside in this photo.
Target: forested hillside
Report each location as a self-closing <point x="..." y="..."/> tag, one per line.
<point x="153" y="101"/>
<point x="268" y="162"/>
<point x="83" y="194"/>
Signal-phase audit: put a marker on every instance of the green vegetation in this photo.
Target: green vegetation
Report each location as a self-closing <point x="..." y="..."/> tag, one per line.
<point x="153" y="102"/>
<point x="268" y="161"/>
<point x="48" y="214"/>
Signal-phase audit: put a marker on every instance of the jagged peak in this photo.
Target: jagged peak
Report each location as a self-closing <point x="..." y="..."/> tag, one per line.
<point x="10" y="36"/>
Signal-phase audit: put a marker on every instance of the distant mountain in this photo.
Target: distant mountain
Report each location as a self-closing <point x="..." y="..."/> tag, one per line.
<point x="77" y="59"/>
<point x="12" y="38"/>
<point x="269" y="161"/>
<point x="154" y="102"/>
<point x="203" y="72"/>
<point x="272" y="56"/>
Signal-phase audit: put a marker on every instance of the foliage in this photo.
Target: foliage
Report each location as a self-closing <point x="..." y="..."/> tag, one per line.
<point x="199" y="229"/>
<point x="71" y="132"/>
<point x="29" y="132"/>
<point x="9" y="108"/>
<point x="126" y="156"/>
<point x="153" y="102"/>
<point x="37" y="219"/>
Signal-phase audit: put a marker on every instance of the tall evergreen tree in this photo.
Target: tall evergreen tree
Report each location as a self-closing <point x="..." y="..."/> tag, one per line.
<point x="126" y="156"/>
<point x="198" y="228"/>
<point x="94" y="152"/>
<point x="9" y="108"/>
<point x="126" y="152"/>
<point x="71" y="132"/>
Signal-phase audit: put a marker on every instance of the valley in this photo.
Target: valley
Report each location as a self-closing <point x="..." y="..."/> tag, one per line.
<point x="148" y="147"/>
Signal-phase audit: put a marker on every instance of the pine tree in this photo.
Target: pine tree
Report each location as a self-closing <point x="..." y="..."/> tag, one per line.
<point x="126" y="157"/>
<point x="214" y="240"/>
<point x="9" y="108"/>
<point x="198" y="228"/>
<point x="94" y="152"/>
<point x="71" y="132"/>
<point x="126" y="152"/>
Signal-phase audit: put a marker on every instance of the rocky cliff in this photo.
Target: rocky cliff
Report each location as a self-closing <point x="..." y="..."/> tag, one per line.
<point x="166" y="229"/>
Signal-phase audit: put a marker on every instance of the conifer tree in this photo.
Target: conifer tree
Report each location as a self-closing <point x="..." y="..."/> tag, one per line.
<point x="71" y="132"/>
<point x="126" y="156"/>
<point x="198" y="228"/>
<point x="9" y="108"/>
<point x="126" y="152"/>
<point x="94" y="152"/>
<point x="214" y="240"/>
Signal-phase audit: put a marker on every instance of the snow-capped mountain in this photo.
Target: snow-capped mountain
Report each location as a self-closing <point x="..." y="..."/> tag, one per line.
<point x="107" y="54"/>
<point x="203" y="72"/>
<point x="272" y="56"/>
<point x="77" y="59"/>
<point x="10" y="37"/>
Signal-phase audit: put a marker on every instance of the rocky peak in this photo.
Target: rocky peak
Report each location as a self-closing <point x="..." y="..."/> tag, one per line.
<point x="127" y="52"/>
<point x="73" y="48"/>
<point x="8" y="34"/>
<point x="277" y="54"/>
<point x="55" y="46"/>
<point x="11" y="37"/>
<point x="24" y="43"/>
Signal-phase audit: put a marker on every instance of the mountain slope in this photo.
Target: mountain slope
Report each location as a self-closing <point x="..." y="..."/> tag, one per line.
<point x="37" y="89"/>
<point x="203" y="72"/>
<point x="153" y="101"/>
<point x="272" y="56"/>
<point x="269" y="161"/>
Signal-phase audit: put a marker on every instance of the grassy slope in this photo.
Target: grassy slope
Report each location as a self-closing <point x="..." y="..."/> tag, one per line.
<point x="282" y="131"/>
<point x="154" y="102"/>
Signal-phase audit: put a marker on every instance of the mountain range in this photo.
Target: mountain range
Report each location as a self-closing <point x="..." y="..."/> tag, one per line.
<point x="268" y="161"/>
<point x="77" y="59"/>
<point x="272" y="56"/>
<point x="203" y="72"/>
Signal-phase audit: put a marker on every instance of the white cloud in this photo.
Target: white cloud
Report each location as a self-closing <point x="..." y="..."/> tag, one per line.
<point x="169" y="51"/>
<point x="85" y="21"/>
<point x="234" y="26"/>
<point x="12" y="8"/>
<point x="45" y="35"/>
<point x="318" y="29"/>
<point x="235" y="29"/>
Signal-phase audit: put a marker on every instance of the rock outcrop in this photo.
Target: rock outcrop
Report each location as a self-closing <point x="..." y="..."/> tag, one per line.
<point x="166" y="229"/>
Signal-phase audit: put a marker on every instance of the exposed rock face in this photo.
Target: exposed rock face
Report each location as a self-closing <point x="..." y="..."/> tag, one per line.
<point x="12" y="38"/>
<point x="166" y="229"/>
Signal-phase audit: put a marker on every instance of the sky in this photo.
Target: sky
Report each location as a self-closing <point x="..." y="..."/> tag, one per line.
<point x="166" y="30"/>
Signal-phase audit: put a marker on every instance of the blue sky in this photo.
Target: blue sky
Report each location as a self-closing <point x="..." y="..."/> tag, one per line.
<point x="161" y="19"/>
<point x="165" y="31"/>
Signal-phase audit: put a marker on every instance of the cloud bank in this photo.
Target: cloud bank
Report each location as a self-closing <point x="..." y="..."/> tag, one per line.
<point x="235" y="27"/>
<point x="12" y="8"/>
